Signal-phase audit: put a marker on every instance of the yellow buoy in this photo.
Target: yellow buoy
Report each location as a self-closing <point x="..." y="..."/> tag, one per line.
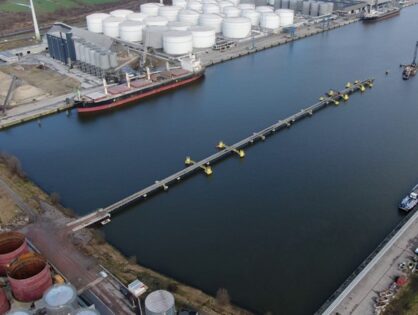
<point x="208" y="170"/>
<point x="188" y="161"/>
<point x="221" y="145"/>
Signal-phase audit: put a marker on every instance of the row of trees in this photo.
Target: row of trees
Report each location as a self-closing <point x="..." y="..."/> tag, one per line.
<point x="13" y="164"/>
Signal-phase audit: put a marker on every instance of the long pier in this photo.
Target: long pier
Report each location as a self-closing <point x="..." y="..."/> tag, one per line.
<point x="103" y="215"/>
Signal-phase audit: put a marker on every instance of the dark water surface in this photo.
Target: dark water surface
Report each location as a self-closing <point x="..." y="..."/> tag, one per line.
<point x="282" y="228"/>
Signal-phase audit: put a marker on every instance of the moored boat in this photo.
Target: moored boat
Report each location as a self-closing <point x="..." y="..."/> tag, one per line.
<point x="409" y="202"/>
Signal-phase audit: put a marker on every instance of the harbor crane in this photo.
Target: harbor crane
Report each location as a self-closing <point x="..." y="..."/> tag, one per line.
<point x="411" y="69"/>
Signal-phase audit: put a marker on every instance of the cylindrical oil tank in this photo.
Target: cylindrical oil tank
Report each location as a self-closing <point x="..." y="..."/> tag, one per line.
<point x="177" y="42"/>
<point x="314" y="9"/>
<point x="232" y="12"/>
<point x="178" y="26"/>
<point x="253" y="15"/>
<point x="136" y="16"/>
<point x="12" y="245"/>
<point x="189" y="16"/>
<point x="4" y="302"/>
<point x="19" y="311"/>
<point x="60" y="299"/>
<point x="264" y="9"/>
<point x="236" y="27"/>
<point x="208" y="1"/>
<point x="150" y="9"/>
<point x="209" y="8"/>
<point x="306" y="7"/>
<point x="95" y="22"/>
<point x="195" y="5"/>
<point x="131" y="31"/>
<point x="180" y="3"/>
<point x="224" y="4"/>
<point x="156" y="21"/>
<point x="113" y="59"/>
<point x="286" y="17"/>
<point x="104" y="61"/>
<point x="85" y="311"/>
<point x="212" y="20"/>
<point x="293" y="5"/>
<point x="270" y="21"/>
<point x="323" y="8"/>
<point x="121" y="13"/>
<point x="111" y="26"/>
<point x="170" y="12"/>
<point x="285" y="4"/>
<point x="152" y="36"/>
<point x="29" y="277"/>
<point x="160" y="302"/>
<point x="235" y="2"/>
<point x="246" y="6"/>
<point x="203" y="36"/>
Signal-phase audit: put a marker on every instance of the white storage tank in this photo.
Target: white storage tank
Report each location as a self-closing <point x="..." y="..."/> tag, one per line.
<point x="314" y="9"/>
<point x="236" y="27"/>
<point x="235" y="2"/>
<point x="95" y="22"/>
<point x="160" y="302"/>
<point x="326" y="8"/>
<point x="270" y="21"/>
<point x="150" y="9"/>
<point x="178" y="26"/>
<point x="306" y="7"/>
<point x="232" y="12"/>
<point x="212" y="20"/>
<point x="264" y="9"/>
<point x="121" y="13"/>
<point x="111" y="26"/>
<point x="180" y="3"/>
<point x="85" y="311"/>
<point x="170" y="12"/>
<point x="152" y="36"/>
<point x="60" y="299"/>
<point x="209" y="8"/>
<point x="189" y="16"/>
<point x="246" y="6"/>
<point x="253" y="15"/>
<point x="286" y="17"/>
<point x="203" y="36"/>
<point x="131" y="31"/>
<point x="136" y="16"/>
<point x="177" y="42"/>
<point x="156" y="21"/>
<point x="224" y="4"/>
<point x="195" y="5"/>
<point x="208" y="1"/>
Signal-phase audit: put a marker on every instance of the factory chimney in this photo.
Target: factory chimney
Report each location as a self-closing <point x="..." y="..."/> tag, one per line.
<point x="35" y="21"/>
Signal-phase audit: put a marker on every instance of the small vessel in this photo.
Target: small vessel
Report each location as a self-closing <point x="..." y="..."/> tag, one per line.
<point x="139" y="88"/>
<point x="380" y="14"/>
<point x="410" y="201"/>
<point x="411" y="69"/>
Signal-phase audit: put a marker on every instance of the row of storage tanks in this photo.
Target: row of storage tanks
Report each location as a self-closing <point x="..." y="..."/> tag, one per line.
<point x="30" y="279"/>
<point x="94" y="56"/>
<point x="312" y="8"/>
<point x="188" y="24"/>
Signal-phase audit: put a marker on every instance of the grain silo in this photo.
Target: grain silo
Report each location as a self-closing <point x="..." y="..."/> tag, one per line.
<point x="60" y="299"/>
<point x="203" y="36"/>
<point x="160" y="302"/>
<point x="314" y="9"/>
<point x="306" y="7"/>
<point x="253" y="15"/>
<point x="95" y="22"/>
<point x="12" y="245"/>
<point x="4" y="302"/>
<point x="177" y="42"/>
<point x="212" y="20"/>
<point x="29" y="277"/>
<point x="236" y="27"/>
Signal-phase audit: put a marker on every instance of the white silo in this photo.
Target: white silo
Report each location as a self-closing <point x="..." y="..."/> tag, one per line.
<point x="177" y="42"/>
<point x="85" y="311"/>
<point x="104" y="60"/>
<point x="170" y="12"/>
<point x="150" y="9"/>
<point x="212" y="20"/>
<point x="160" y="302"/>
<point x="156" y="21"/>
<point x="314" y="9"/>
<point x="236" y="27"/>
<point x="246" y="6"/>
<point x="136" y="16"/>
<point x="232" y="12"/>
<point x="209" y="1"/>
<point x="286" y="17"/>
<point x="325" y="8"/>
<point x="270" y="20"/>
<point x="306" y="7"/>
<point x="131" y="31"/>
<point x="203" y="36"/>
<point x="195" y="5"/>
<point x="224" y="4"/>
<point x="178" y="26"/>
<point x="180" y="3"/>
<point x="189" y="16"/>
<point x="111" y="26"/>
<point x="60" y="299"/>
<point x="235" y="2"/>
<point x="95" y="22"/>
<point x="209" y="8"/>
<point x="152" y="36"/>
<point x="253" y="15"/>
<point x="121" y="13"/>
<point x="264" y="9"/>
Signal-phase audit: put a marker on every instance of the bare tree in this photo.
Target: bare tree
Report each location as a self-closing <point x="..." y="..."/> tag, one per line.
<point x="222" y="297"/>
<point x="13" y="164"/>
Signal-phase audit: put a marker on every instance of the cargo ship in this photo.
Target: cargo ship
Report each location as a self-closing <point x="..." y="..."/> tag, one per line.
<point x="136" y="89"/>
<point x="377" y="15"/>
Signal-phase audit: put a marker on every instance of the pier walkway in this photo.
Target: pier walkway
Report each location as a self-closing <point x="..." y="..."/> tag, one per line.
<point x="103" y="215"/>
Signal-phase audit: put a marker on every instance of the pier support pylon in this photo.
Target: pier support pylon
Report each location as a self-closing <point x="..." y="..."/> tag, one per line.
<point x="221" y="145"/>
<point x="206" y="168"/>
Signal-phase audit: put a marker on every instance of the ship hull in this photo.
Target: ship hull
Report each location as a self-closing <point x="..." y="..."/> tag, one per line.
<point x="381" y="17"/>
<point x="120" y="100"/>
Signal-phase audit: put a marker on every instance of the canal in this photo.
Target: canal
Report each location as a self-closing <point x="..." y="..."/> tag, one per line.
<point x="282" y="228"/>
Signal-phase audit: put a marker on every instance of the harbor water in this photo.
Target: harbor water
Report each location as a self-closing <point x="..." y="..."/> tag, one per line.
<point x="282" y="228"/>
